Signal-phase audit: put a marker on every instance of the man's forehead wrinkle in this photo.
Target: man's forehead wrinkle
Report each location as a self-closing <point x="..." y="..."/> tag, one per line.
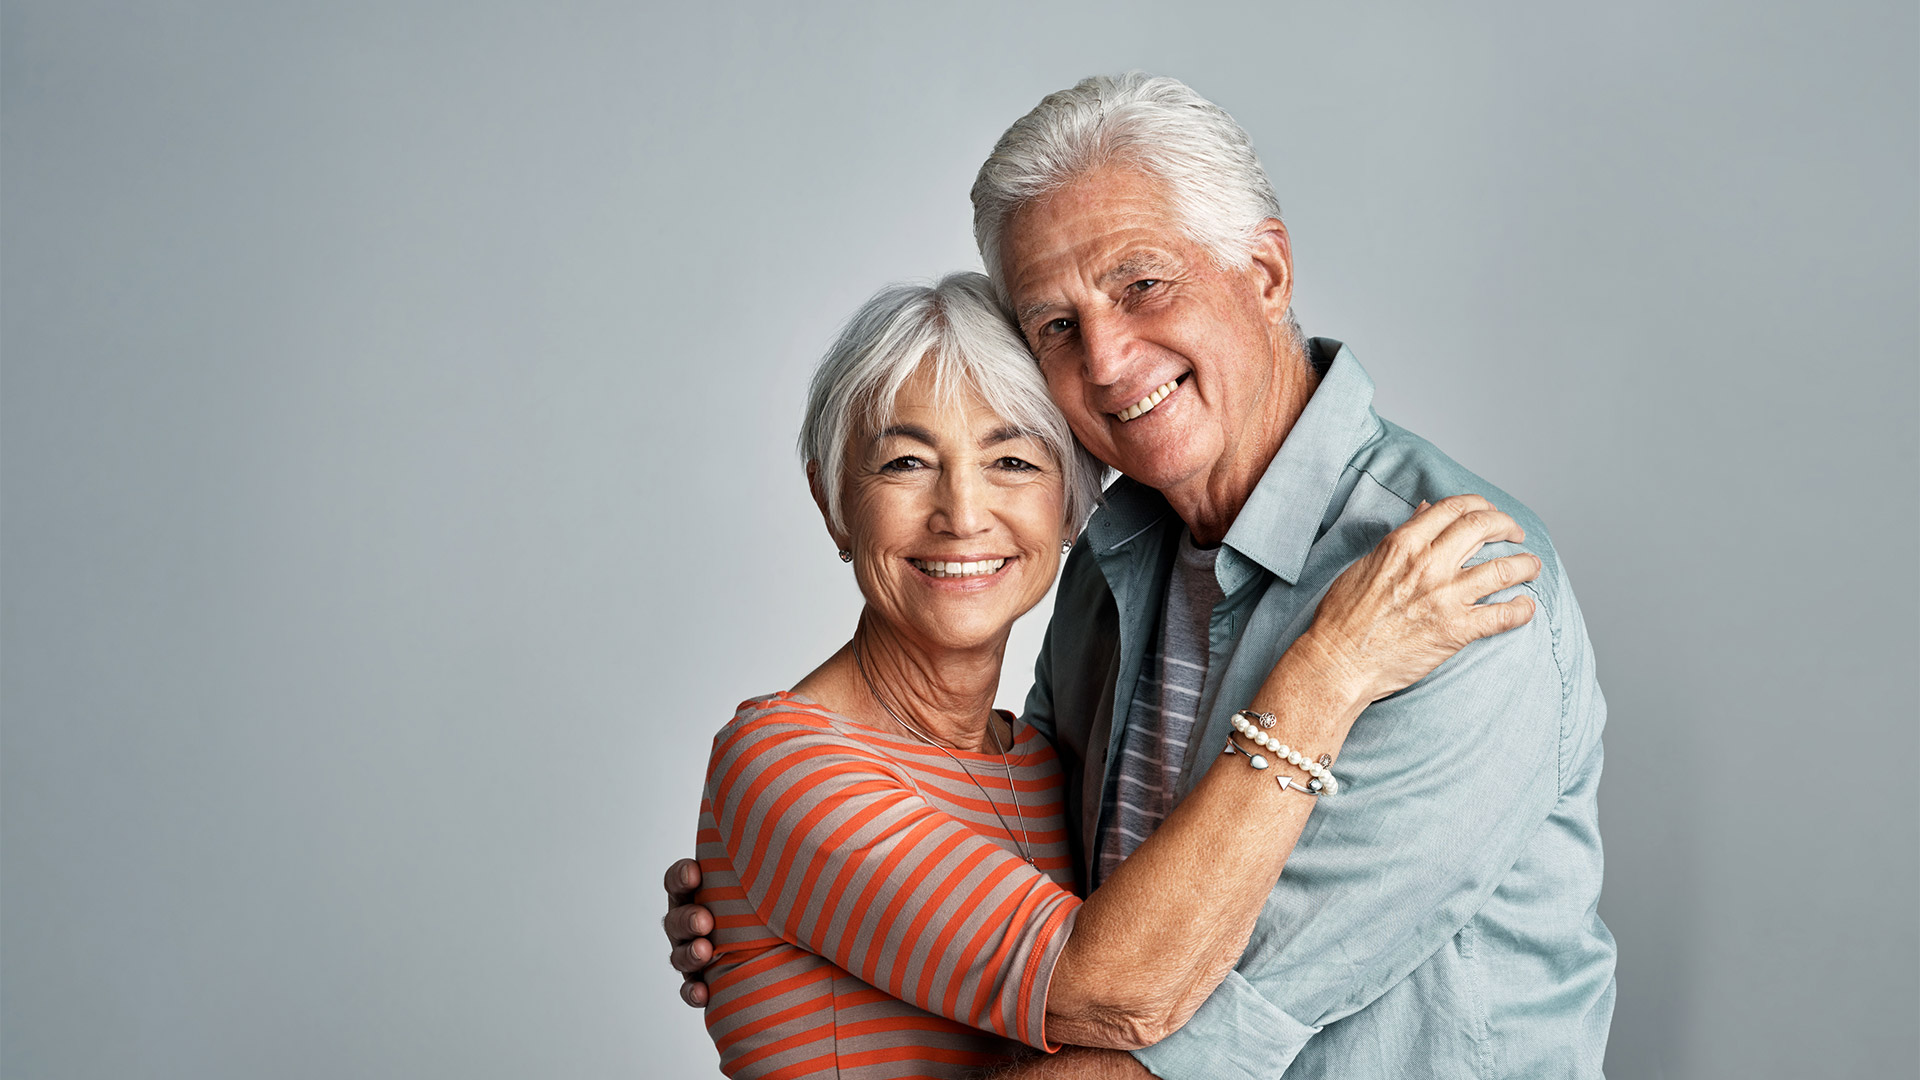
<point x="1136" y="264"/>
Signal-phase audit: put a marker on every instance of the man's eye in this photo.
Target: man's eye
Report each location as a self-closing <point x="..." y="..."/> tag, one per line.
<point x="1057" y="326"/>
<point x="1144" y="284"/>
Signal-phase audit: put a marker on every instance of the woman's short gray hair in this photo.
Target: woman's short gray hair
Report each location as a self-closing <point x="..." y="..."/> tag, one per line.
<point x="1201" y="157"/>
<point x="956" y="326"/>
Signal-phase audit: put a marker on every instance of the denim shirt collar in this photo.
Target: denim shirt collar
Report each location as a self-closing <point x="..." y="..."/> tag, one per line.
<point x="1282" y="518"/>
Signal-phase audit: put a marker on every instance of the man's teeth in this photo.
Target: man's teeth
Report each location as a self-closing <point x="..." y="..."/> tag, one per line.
<point x="958" y="569"/>
<point x="1145" y="405"/>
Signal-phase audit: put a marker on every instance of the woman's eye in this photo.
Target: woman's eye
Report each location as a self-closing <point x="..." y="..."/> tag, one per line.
<point x="903" y="463"/>
<point x="1015" y="464"/>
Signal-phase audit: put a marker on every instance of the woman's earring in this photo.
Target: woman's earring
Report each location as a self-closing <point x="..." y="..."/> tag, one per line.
<point x="845" y="555"/>
<point x="1066" y="546"/>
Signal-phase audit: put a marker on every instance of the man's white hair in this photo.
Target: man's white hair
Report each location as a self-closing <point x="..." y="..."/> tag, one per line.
<point x="1202" y="159"/>
<point x="956" y="326"/>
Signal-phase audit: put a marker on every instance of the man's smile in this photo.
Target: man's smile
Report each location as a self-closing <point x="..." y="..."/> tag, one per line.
<point x="1146" y="404"/>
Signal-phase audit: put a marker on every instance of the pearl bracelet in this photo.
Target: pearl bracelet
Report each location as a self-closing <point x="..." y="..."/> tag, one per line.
<point x="1287" y="783"/>
<point x="1251" y="724"/>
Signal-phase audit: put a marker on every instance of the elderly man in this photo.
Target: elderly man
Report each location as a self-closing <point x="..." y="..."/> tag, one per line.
<point x="1438" y="915"/>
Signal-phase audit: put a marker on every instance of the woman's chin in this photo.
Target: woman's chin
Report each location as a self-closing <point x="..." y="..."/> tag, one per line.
<point x="970" y="616"/>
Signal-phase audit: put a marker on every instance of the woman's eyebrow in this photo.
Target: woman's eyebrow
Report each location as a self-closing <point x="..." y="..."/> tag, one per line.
<point x="1005" y="433"/>
<point x="905" y="431"/>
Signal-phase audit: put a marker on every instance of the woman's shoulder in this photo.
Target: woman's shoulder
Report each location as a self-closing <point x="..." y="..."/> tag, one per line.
<point x="1030" y="746"/>
<point x="784" y="735"/>
<point x="795" y="721"/>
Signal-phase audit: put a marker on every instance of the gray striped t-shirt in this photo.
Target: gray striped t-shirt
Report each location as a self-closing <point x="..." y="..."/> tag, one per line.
<point x="1141" y="787"/>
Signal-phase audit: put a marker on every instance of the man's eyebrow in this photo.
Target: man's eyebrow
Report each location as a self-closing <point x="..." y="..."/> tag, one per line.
<point x="1032" y="311"/>
<point x="1138" y="265"/>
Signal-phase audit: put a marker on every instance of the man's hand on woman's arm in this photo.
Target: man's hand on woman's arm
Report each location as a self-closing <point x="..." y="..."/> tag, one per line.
<point x="687" y="925"/>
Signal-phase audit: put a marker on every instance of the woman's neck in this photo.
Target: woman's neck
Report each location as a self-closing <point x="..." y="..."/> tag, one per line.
<point x="888" y="681"/>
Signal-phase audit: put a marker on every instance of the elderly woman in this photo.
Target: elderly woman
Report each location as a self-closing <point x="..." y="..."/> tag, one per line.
<point x="885" y="857"/>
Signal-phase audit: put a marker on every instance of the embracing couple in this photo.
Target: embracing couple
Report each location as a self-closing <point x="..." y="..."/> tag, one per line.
<point x="1306" y="783"/>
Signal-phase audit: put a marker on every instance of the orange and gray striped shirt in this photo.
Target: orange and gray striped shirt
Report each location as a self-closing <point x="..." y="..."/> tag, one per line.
<point x="874" y="917"/>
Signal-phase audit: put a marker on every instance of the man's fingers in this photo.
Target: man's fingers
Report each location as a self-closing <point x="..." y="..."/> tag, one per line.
<point x="1486" y="620"/>
<point x="1430" y="522"/>
<point x="687" y="922"/>
<point x="1485" y="579"/>
<point x="692" y="956"/>
<point x="694" y="992"/>
<point x="683" y="880"/>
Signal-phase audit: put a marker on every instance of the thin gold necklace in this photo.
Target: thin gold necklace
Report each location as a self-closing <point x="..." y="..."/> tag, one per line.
<point x="1026" y="849"/>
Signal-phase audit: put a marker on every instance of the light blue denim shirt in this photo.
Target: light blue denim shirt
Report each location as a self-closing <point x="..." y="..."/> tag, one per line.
<point x="1438" y="916"/>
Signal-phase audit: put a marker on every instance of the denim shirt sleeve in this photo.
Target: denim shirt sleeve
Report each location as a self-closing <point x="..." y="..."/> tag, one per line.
<point x="1441" y="787"/>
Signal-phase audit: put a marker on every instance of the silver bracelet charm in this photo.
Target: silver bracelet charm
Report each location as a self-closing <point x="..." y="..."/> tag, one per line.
<point x="1320" y="771"/>
<point x="1259" y="761"/>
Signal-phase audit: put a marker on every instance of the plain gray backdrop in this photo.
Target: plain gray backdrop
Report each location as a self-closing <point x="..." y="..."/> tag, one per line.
<point x="398" y="409"/>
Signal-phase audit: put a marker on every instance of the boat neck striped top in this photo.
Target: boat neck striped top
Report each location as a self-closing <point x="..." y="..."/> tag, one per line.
<point x="874" y="917"/>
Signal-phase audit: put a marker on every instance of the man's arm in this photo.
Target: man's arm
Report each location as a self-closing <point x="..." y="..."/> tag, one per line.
<point x="1442" y="786"/>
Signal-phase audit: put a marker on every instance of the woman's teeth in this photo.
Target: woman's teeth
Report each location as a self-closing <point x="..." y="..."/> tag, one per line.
<point x="1145" y="405"/>
<point x="958" y="569"/>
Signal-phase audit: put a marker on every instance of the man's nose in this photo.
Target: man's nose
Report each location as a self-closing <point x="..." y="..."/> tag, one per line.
<point x="1109" y="349"/>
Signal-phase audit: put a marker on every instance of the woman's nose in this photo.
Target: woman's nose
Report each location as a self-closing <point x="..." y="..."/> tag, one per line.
<point x="961" y="504"/>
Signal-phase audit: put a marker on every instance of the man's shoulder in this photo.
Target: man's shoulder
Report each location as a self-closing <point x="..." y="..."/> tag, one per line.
<point x="1405" y="470"/>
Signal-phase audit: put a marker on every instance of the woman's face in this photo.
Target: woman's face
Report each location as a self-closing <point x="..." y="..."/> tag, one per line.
<point x="954" y="518"/>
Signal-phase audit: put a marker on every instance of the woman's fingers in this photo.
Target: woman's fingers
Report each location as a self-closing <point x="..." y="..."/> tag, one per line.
<point x="1466" y="534"/>
<point x="1485" y="579"/>
<point x="1426" y="525"/>
<point x="1486" y="620"/>
<point x="694" y="992"/>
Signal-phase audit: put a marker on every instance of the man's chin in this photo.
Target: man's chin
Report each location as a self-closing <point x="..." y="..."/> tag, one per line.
<point x="1164" y="471"/>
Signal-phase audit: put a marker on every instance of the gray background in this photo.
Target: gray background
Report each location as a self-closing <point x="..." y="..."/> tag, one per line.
<point x="398" y="485"/>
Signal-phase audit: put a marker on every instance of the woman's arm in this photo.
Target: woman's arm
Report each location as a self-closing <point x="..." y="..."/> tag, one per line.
<point x="1154" y="940"/>
<point x="1167" y="926"/>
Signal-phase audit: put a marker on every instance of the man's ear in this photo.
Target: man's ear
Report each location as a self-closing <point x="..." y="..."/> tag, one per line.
<point x="840" y="539"/>
<point x="1273" y="261"/>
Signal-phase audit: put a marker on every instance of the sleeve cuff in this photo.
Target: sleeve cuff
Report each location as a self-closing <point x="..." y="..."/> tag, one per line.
<point x="1235" y="1033"/>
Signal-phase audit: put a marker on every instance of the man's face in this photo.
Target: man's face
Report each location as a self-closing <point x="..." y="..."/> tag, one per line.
<point x="1125" y="313"/>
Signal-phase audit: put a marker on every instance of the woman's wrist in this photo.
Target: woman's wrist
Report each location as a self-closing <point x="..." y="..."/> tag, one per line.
<point x="1315" y="687"/>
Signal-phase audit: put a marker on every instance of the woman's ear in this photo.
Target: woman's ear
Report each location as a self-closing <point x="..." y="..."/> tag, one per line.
<point x="840" y="539"/>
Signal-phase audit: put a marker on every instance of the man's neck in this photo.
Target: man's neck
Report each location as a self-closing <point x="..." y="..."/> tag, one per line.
<point x="1210" y="503"/>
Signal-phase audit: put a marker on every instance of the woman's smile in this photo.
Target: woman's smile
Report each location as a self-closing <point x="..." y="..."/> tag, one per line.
<point x="963" y="568"/>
